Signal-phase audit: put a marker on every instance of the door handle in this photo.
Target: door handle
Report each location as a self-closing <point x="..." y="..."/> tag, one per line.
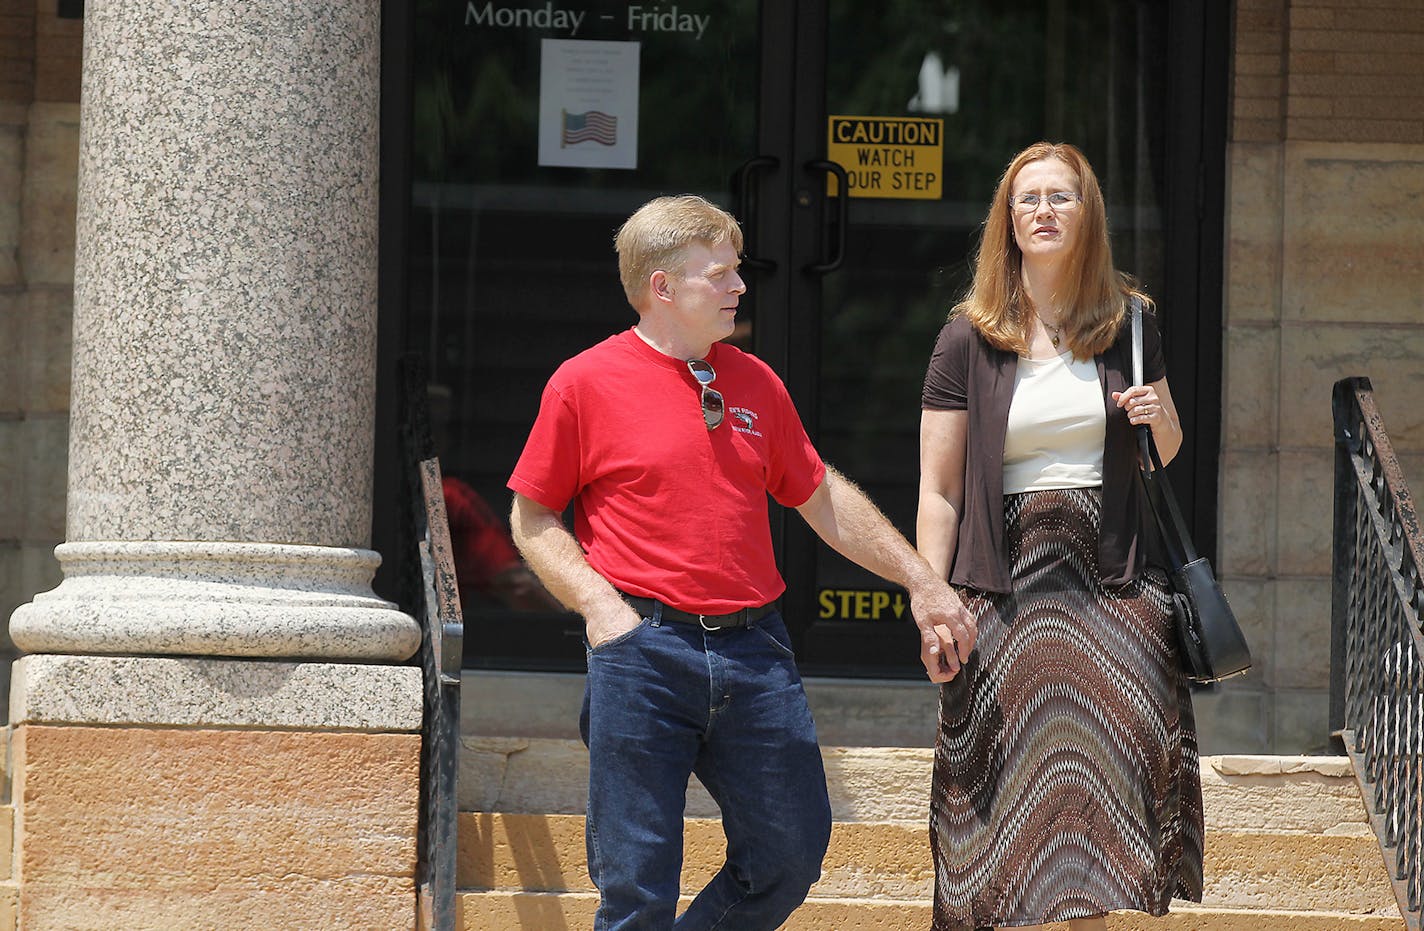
<point x="742" y="184"/>
<point x="834" y="260"/>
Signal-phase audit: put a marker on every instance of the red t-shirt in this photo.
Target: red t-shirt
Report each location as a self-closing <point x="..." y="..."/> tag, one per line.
<point x="663" y="507"/>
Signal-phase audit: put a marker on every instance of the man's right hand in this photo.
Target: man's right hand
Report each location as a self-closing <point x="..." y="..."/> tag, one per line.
<point x="608" y="622"/>
<point x="559" y="562"/>
<point x="947" y="629"/>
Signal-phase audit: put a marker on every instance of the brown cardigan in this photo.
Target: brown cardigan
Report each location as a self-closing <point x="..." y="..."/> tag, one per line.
<point x="966" y="373"/>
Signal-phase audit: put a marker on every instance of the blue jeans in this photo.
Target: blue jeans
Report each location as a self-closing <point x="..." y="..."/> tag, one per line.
<point x="669" y="699"/>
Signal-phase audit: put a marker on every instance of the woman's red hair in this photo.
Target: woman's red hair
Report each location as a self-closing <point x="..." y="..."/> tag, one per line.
<point x="1094" y="294"/>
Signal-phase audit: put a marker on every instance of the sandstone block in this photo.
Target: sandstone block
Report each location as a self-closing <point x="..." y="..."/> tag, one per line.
<point x="1254" y="603"/>
<point x="1248" y="512"/>
<point x="1251" y="389"/>
<point x="892" y="860"/>
<point x="1306" y="516"/>
<point x="1233" y="719"/>
<point x="1253" y="228"/>
<point x="1303" y="633"/>
<point x="12" y="477"/>
<point x="517" y="911"/>
<point x="1315" y="356"/>
<point x="45" y="350"/>
<point x="1352" y="253"/>
<point x="51" y="184"/>
<point x="144" y="828"/>
<point x="13" y="311"/>
<point x="1302" y="721"/>
<point x="12" y="158"/>
<point x="45" y="453"/>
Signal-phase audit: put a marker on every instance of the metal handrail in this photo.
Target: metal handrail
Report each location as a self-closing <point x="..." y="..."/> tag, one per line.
<point x="1377" y="645"/>
<point x="432" y="595"/>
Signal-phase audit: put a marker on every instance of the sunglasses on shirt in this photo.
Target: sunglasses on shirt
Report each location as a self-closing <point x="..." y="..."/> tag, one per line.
<point x="713" y="409"/>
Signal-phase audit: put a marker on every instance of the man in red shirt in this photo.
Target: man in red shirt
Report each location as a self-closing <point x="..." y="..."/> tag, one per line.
<point x="690" y="668"/>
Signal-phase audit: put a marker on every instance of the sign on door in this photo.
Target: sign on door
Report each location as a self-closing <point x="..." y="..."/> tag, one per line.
<point x="887" y="156"/>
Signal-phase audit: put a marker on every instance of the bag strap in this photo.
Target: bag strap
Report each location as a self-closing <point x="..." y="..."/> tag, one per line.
<point x="1174" y="529"/>
<point x="1136" y="314"/>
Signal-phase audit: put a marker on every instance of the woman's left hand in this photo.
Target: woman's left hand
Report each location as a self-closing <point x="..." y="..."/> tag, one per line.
<point x="1152" y="405"/>
<point x="1143" y="406"/>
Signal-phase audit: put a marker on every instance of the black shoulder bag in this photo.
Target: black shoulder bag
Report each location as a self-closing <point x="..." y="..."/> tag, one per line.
<point x="1212" y="645"/>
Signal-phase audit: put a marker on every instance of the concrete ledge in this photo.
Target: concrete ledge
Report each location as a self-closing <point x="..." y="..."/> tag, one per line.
<point x="539" y="775"/>
<point x="848" y="712"/>
<point x="1281" y="765"/>
<point x="529" y="911"/>
<point x="1283" y="795"/>
<point x="545" y="853"/>
<point x="160" y="691"/>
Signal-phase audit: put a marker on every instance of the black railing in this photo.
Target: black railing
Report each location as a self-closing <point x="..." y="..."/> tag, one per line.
<point x="431" y="595"/>
<point x="1377" y="651"/>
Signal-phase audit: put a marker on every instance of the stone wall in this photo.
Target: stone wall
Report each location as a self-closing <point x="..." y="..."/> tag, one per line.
<point x="39" y="143"/>
<point x="1324" y="279"/>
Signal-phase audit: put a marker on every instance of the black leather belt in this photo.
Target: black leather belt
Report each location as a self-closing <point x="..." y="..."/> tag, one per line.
<point x="645" y="608"/>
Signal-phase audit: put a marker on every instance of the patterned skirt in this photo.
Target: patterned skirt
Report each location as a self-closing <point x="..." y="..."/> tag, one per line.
<point x="1065" y="775"/>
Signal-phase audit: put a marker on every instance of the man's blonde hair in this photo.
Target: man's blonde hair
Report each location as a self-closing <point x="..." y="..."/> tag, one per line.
<point x="659" y="233"/>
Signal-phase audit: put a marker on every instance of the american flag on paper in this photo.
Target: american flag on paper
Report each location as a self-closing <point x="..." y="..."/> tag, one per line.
<point x="593" y="126"/>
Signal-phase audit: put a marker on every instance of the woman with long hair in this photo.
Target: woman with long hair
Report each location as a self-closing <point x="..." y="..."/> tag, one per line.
<point x="1065" y="779"/>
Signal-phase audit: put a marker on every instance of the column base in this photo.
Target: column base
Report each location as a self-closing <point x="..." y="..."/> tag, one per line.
<point x="216" y="599"/>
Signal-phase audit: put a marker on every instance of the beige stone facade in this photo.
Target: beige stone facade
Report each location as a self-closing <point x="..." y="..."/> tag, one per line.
<point x="157" y="828"/>
<point x="1324" y="278"/>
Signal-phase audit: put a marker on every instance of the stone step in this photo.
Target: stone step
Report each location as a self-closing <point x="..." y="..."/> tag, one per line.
<point x="1313" y="795"/>
<point x="1282" y="831"/>
<point x="891" y="860"/>
<point x="502" y="910"/>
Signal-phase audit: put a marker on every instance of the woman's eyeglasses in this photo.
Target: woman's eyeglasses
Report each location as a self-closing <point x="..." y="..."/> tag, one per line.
<point x="713" y="410"/>
<point x="1058" y="200"/>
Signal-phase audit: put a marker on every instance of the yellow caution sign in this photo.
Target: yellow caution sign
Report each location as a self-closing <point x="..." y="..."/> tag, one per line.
<point x="887" y="156"/>
<point x="862" y="604"/>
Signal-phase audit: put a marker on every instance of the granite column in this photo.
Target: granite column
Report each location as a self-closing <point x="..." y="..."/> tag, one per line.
<point x="214" y="684"/>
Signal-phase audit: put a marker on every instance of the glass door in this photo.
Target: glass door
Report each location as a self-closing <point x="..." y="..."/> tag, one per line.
<point x="859" y="145"/>
<point x="536" y="130"/>
<point x="922" y="103"/>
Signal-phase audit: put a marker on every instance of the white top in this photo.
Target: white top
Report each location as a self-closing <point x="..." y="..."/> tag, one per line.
<point x="1057" y="423"/>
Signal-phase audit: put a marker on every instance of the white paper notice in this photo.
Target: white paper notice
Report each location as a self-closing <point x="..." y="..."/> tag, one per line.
<point x="588" y="104"/>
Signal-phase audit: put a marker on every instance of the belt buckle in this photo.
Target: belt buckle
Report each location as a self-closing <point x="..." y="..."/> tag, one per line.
<point x="702" y="622"/>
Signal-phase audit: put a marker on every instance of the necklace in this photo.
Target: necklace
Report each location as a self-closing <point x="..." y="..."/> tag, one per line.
<point x="1053" y="331"/>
